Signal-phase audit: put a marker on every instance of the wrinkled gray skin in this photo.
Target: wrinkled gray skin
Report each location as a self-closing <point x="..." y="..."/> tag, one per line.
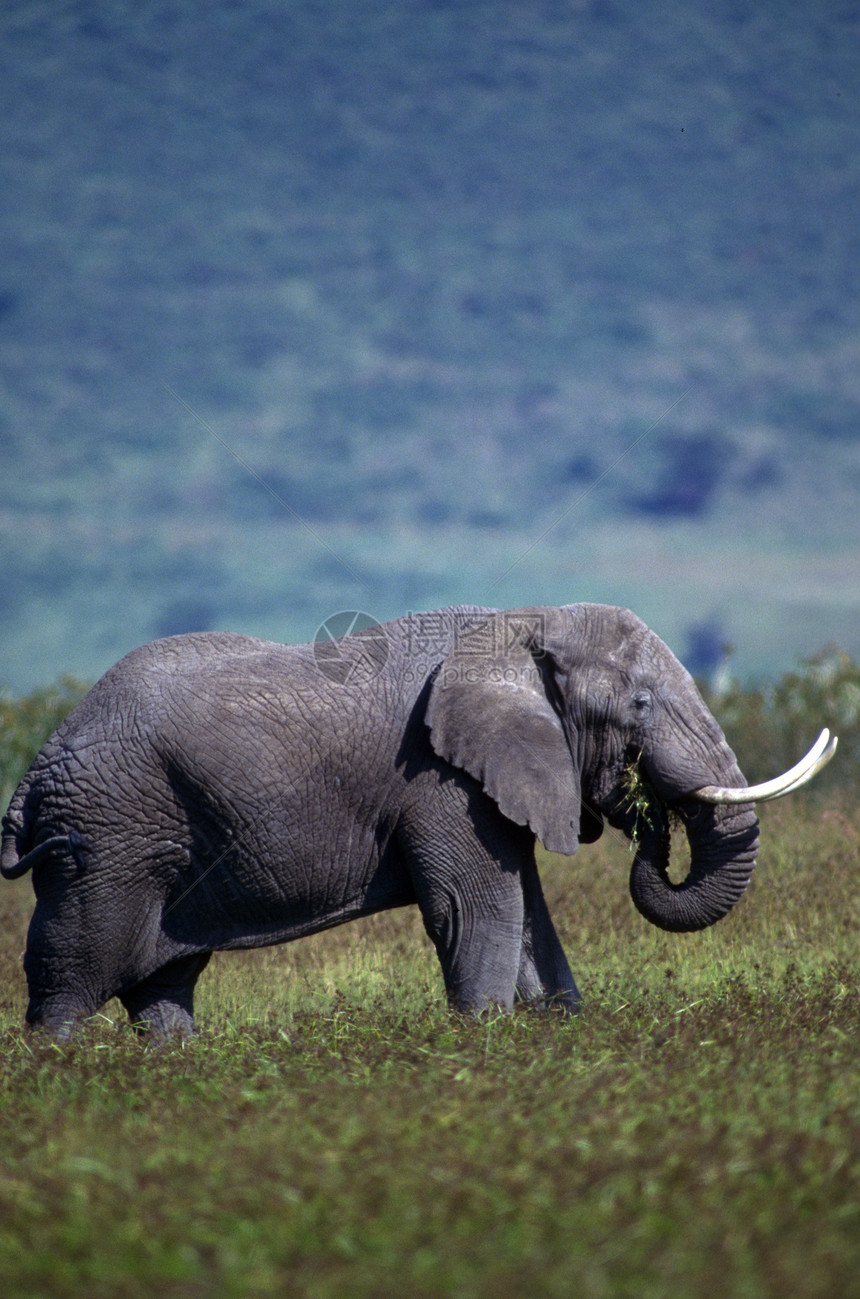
<point x="214" y="791"/>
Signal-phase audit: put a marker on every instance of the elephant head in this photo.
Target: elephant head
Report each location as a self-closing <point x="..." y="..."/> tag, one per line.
<point x="573" y="716"/>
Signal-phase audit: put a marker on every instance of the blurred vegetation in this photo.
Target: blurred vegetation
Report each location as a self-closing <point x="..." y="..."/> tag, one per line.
<point x="412" y="281"/>
<point x="25" y="724"/>
<point x="772" y="726"/>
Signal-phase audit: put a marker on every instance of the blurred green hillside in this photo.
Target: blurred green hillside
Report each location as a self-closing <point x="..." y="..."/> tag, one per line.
<point x="329" y="306"/>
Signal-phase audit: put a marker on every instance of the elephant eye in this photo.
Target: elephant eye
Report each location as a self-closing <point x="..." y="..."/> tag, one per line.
<point x="642" y="702"/>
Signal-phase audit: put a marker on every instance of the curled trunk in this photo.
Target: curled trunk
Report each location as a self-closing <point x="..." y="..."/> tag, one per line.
<point x="723" y="844"/>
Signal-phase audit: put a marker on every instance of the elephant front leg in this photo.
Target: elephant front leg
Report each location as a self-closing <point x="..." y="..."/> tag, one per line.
<point x="544" y="978"/>
<point x="477" y="933"/>
<point x="479" y="954"/>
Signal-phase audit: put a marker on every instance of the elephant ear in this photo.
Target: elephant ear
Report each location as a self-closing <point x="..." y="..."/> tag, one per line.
<point x="489" y="713"/>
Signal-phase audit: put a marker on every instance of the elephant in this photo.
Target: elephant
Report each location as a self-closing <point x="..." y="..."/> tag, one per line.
<point x="214" y="791"/>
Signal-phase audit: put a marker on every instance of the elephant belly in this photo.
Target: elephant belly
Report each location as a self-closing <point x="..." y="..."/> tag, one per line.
<point x="251" y="894"/>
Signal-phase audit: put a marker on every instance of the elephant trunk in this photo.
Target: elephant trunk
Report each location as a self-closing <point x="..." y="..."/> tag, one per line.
<point x="723" y="844"/>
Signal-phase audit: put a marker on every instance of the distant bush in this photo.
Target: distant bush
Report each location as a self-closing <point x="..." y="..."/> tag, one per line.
<point x="771" y="727"/>
<point x="691" y="473"/>
<point x="25" y="724"/>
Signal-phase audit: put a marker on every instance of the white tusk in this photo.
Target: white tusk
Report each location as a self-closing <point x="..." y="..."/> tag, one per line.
<point x="826" y="755"/>
<point x="818" y="756"/>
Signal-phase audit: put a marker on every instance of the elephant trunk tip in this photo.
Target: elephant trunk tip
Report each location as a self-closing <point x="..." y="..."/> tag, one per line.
<point x="722" y="860"/>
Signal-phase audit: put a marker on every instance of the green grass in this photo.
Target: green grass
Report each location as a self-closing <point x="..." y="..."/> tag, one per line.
<point x="333" y="1131"/>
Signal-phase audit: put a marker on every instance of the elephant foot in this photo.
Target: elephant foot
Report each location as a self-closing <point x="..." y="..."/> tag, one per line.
<point x="469" y="1008"/>
<point x="58" y="1017"/>
<point x="162" y="1021"/>
<point x="162" y="1005"/>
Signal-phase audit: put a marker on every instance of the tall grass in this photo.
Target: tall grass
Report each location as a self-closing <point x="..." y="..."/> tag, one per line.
<point x="333" y="1130"/>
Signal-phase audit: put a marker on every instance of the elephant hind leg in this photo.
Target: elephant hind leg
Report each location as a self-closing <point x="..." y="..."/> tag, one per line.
<point x="64" y="988"/>
<point x="59" y="1014"/>
<point x="163" y="1004"/>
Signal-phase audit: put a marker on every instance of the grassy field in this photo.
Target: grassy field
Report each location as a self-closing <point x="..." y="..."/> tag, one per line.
<point x="334" y="1131"/>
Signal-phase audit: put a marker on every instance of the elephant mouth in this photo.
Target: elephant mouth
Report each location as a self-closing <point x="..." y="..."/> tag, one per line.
<point x="640" y="808"/>
<point x="642" y="800"/>
<point x="722" y="842"/>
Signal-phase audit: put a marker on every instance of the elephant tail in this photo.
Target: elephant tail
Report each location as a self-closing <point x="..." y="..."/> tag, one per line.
<point x="13" y="866"/>
<point x="14" y="838"/>
<point x="19" y="829"/>
<point x="18" y="853"/>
